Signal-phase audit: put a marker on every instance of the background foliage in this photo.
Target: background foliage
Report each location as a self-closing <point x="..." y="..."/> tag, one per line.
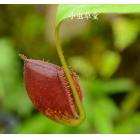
<point x="104" y="52"/>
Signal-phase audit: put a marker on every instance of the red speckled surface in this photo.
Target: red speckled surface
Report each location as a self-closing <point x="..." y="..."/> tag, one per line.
<point x="49" y="90"/>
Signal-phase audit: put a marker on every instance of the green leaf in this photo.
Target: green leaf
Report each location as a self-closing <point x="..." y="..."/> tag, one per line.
<point x="103" y="112"/>
<point x="8" y="68"/>
<point x="110" y="63"/>
<point x="130" y="103"/>
<point x="68" y="11"/>
<point x="11" y="88"/>
<point x="125" y="32"/>
<point x="104" y="87"/>
<point x="22" y="107"/>
<point x="39" y="124"/>
<point x="129" y="125"/>
<point x="82" y="66"/>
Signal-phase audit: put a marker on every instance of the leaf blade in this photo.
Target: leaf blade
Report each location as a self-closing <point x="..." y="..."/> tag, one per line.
<point x="66" y="11"/>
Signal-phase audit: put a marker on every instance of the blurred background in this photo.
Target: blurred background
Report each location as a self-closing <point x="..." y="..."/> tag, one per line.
<point x="105" y="53"/>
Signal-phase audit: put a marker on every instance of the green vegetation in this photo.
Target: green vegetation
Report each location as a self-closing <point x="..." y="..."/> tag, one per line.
<point x="104" y="53"/>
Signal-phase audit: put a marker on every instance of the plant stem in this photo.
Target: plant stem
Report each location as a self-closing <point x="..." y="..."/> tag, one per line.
<point x="69" y="77"/>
